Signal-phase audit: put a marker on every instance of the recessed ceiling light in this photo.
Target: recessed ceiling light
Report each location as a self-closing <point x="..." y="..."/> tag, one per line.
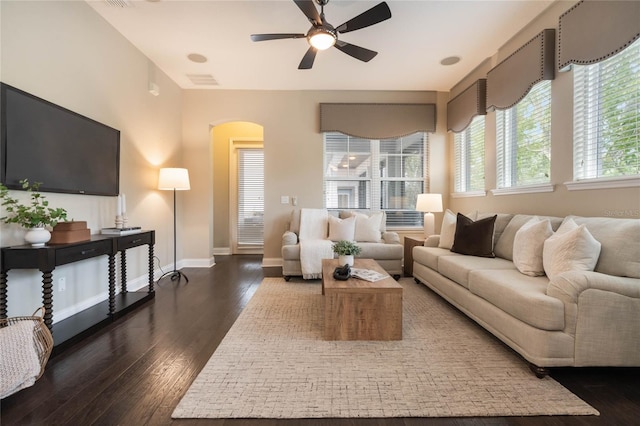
<point x="196" y="57"/>
<point x="451" y="60"/>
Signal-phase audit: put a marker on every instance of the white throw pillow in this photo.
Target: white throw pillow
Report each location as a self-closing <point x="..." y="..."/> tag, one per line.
<point x="571" y="248"/>
<point x="448" y="230"/>
<point x="368" y="227"/>
<point x="342" y="229"/>
<point x="528" y="245"/>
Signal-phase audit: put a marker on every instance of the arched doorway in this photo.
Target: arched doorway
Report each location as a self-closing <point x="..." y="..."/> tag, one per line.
<point x="238" y="192"/>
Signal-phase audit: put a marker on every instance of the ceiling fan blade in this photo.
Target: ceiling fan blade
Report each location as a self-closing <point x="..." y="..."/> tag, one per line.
<point x="265" y="37"/>
<point x="309" y="9"/>
<point x="365" y="55"/>
<point x="307" y="60"/>
<point x="376" y="14"/>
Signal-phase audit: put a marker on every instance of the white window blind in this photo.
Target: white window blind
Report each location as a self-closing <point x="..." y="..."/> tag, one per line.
<point x="250" y="231"/>
<point x="469" y="157"/>
<point x="606" y="108"/>
<point x="523" y="138"/>
<point x="374" y="175"/>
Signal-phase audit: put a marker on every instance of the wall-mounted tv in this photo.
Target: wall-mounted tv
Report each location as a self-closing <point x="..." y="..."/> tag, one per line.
<point x="65" y="151"/>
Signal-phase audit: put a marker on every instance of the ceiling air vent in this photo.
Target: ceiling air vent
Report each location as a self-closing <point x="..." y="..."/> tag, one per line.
<point x="119" y="3"/>
<point x="202" y="79"/>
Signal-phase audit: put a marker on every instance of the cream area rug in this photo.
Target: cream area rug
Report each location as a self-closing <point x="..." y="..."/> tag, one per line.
<point x="274" y="363"/>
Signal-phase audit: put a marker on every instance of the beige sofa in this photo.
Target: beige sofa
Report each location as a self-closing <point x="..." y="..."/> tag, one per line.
<point x="385" y="247"/>
<point x="575" y="318"/>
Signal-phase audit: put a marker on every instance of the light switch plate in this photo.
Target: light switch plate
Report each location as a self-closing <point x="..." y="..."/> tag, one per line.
<point x="284" y="199"/>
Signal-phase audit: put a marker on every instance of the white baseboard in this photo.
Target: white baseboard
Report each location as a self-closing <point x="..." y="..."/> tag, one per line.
<point x="197" y="263"/>
<point x="221" y="251"/>
<point x="271" y="262"/>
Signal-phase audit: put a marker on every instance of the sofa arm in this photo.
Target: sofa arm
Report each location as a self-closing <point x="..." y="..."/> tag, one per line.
<point x="390" y="237"/>
<point x="289" y="238"/>
<point x="568" y="286"/>
<point x="432" y="241"/>
<point x="598" y="307"/>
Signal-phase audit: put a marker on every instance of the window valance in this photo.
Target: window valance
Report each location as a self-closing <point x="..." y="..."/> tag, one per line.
<point x="471" y="102"/>
<point x="510" y="80"/>
<point x="377" y="121"/>
<point x="592" y="31"/>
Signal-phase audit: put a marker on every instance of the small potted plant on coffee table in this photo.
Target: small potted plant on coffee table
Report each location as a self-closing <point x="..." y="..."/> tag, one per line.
<point x="35" y="216"/>
<point x="346" y="250"/>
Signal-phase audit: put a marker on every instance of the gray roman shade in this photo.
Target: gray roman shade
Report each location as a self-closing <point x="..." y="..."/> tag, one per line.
<point x="377" y="121"/>
<point x="592" y="31"/>
<point x="471" y="102"/>
<point x="510" y="80"/>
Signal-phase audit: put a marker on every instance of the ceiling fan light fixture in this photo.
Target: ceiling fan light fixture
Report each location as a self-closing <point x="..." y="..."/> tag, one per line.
<point x="321" y="38"/>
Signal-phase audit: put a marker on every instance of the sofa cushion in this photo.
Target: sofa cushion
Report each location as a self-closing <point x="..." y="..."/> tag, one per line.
<point x="571" y="248"/>
<point x="343" y="214"/>
<point x="428" y="256"/>
<point x="342" y="229"/>
<point x="380" y="251"/>
<point x="457" y="268"/>
<point x="528" y="245"/>
<point x="368" y="227"/>
<point x="521" y="296"/>
<point x="502" y="220"/>
<point x="504" y="244"/>
<point x="447" y="230"/>
<point x="620" y="240"/>
<point x="474" y="238"/>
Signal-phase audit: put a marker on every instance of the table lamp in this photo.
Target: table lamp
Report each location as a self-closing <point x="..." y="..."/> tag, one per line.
<point x="429" y="203"/>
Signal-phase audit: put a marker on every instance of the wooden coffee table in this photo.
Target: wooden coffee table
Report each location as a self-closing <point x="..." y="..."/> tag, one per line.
<point x="361" y="310"/>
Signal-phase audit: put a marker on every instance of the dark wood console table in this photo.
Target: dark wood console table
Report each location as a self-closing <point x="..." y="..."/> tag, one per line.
<point x="47" y="258"/>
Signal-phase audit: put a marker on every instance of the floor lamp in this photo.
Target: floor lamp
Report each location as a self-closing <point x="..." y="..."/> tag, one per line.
<point x="177" y="180"/>
<point x="429" y="203"/>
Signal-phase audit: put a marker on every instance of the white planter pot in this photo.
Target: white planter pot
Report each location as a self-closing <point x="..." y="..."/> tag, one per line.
<point x="37" y="237"/>
<point x="346" y="260"/>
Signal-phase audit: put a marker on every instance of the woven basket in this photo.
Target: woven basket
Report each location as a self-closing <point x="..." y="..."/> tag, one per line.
<point x="42" y="338"/>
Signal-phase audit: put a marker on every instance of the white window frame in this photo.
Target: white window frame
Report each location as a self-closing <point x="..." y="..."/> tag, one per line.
<point x="507" y="181"/>
<point x="588" y="139"/>
<point x="464" y="151"/>
<point x="375" y="180"/>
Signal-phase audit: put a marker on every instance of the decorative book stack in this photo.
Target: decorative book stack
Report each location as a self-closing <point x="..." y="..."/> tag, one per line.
<point x="70" y="232"/>
<point x="121" y="231"/>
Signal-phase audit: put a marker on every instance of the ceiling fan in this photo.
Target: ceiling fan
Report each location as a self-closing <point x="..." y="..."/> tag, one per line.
<point x="322" y="35"/>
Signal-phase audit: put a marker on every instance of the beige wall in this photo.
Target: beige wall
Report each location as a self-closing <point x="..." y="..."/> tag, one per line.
<point x="602" y="202"/>
<point x="66" y="53"/>
<point x="293" y="152"/>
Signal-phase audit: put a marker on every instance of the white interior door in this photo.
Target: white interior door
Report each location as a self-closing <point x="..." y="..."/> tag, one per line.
<point x="247" y="213"/>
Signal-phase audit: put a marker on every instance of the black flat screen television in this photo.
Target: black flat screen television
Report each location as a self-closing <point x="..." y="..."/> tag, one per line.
<point x="46" y="143"/>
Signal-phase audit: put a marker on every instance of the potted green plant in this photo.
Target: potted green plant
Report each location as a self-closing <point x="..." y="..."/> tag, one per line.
<point x="34" y="216"/>
<point x="346" y="250"/>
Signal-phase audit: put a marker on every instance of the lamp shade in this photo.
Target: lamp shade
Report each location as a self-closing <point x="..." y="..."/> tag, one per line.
<point x="429" y="203"/>
<point x="171" y="178"/>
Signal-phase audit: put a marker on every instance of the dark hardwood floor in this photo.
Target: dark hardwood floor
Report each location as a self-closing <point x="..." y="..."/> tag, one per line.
<point x="135" y="371"/>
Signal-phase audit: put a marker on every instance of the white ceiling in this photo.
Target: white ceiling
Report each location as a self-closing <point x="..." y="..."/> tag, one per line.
<point x="410" y="45"/>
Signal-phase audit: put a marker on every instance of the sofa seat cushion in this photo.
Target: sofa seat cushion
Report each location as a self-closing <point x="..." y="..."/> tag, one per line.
<point x="519" y="295"/>
<point x="380" y="251"/>
<point x="457" y="268"/>
<point x="428" y="256"/>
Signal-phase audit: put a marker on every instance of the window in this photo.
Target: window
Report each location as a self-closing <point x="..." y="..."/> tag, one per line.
<point x="250" y="229"/>
<point x="376" y="175"/>
<point x="606" y="108"/>
<point x="524" y="140"/>
<point x="469" y="157"/>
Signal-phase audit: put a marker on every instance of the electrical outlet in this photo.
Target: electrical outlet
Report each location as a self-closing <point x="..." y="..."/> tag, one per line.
<point x="62" y="284"/>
